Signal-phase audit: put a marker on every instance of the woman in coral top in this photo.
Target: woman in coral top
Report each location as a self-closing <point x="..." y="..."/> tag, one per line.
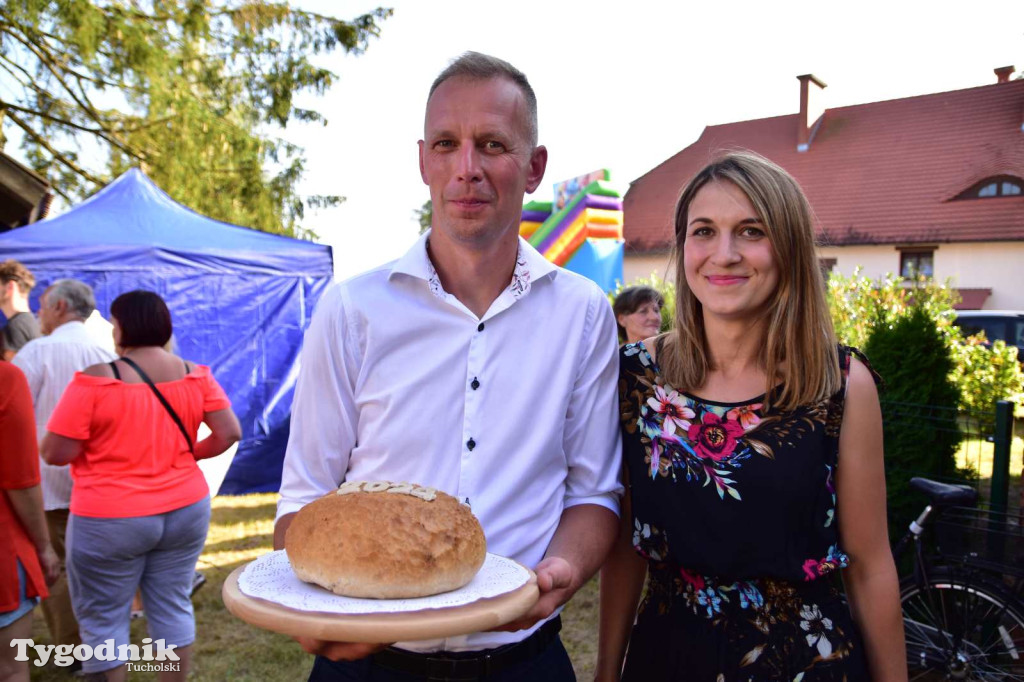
<point x="140" y="507"/>
<point x="27" y="561"/>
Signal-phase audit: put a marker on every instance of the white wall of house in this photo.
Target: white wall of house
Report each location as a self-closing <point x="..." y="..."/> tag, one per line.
<point x="873" y="261"/>
<point x="998" y="266"/>
<point x="643" y="266"/>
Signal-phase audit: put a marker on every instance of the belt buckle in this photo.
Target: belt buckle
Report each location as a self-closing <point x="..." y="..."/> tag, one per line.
<point x="485" y="665"/>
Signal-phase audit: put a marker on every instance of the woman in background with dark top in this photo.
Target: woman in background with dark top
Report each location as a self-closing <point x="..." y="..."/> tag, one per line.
<point x="140" y="507"/>
<point x="638" y="313"/>
<point x="753" y="458"/>
<point x="27" y="561"/>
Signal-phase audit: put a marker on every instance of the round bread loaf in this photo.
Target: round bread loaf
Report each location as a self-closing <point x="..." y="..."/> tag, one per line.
<point x="385" y="540"/>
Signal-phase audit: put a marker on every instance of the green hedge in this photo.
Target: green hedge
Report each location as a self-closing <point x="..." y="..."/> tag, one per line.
<point x="914" y="360"/>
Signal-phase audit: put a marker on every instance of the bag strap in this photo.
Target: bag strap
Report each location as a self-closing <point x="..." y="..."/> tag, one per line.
<point x="113" y="368"/>
<point x="163" y="401"/>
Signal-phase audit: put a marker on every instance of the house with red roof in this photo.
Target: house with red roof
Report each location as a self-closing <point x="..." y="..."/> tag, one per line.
<point x="931" y="184"/>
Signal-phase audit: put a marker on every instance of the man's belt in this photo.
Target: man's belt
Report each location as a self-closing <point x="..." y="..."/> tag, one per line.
<point x="469" y="665"/>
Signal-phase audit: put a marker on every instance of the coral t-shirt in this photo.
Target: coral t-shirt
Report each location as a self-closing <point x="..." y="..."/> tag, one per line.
<point x="135" y="460"/>
<point x="19" y="469"/>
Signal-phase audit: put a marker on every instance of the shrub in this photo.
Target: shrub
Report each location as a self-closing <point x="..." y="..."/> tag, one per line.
<point x="983" y="373"/>
<point x="858" y="303"/>
<point x="986" y="373"/>
<point x="919" y="406"/>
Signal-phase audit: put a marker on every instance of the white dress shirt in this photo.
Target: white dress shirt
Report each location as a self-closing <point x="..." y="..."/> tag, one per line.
<point x="49" y="364"/>
<point x="100" y="331"/>
<point x="516" y="411"/>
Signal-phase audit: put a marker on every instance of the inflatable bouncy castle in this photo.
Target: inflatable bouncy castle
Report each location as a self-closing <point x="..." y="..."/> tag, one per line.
<point x="581" y="230"/>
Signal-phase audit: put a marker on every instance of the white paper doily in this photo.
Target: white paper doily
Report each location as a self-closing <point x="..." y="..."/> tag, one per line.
<point x="270" y="577"/>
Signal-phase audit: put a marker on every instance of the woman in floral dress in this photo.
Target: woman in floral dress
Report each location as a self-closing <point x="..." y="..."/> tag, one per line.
<point x="753" y="462"/>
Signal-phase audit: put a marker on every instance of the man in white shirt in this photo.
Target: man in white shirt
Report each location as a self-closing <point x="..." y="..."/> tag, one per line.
<point x="475" y="366"/>
<point x="49" y="363"/>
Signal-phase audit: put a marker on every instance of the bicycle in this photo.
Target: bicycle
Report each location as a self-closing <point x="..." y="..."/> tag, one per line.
<point x="963" y="603"/>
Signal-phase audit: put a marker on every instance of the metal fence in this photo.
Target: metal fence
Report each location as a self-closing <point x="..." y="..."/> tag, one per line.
<point x="985" y="440"/>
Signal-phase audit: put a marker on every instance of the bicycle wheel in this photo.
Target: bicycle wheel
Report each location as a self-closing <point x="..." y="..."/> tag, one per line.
<point x="962" y="628"/>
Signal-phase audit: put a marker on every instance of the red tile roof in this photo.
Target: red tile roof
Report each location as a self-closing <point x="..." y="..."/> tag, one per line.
<point x="885" y="172"/>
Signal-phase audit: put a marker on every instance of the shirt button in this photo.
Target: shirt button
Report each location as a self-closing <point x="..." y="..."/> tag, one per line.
<point x="471" y="444"/>
<point x="480" y="327"/>
<point x="475" y="384"/>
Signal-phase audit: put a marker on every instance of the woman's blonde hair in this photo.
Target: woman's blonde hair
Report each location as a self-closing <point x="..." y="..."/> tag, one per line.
<point x="799" y="343"/>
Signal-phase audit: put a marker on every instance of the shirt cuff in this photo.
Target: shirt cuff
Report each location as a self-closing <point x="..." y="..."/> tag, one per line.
<point x="288" y="506"/>
<point x="609" y="501"/>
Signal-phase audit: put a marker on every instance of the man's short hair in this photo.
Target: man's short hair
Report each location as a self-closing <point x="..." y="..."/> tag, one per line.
<point x="13" y="271"/>
<point x="77" y="295"/>
<point x="479" y="66"/>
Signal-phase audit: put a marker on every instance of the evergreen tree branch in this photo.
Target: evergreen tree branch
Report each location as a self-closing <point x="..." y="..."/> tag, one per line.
<point x="98" y="132"/>
<point x="48" y="60"/>
<point x="81" y="98"/>
<point x="58" y="156"/>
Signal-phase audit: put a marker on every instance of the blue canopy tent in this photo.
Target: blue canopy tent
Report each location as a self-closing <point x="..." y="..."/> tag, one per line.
<point x="240" y="299"/>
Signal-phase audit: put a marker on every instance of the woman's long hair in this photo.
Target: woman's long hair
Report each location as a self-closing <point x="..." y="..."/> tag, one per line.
<point x="799" y="344"/>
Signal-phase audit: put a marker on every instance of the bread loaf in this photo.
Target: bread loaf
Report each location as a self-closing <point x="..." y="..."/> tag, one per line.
<point x="386" y="540"/>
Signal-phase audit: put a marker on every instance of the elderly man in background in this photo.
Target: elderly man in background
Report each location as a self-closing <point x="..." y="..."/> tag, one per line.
<point x="16" y="281"/>
<point x="49" y="363"/>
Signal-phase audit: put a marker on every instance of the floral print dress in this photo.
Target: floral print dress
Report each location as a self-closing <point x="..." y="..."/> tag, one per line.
<point x="734" y="508"/>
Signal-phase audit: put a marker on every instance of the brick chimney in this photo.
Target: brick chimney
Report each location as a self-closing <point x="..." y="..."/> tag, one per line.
<point x="1003" y="74"/>
<point x="812" y="107"/>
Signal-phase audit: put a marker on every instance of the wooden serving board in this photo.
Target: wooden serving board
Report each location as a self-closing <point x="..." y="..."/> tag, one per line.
<point x="484" y="614"/>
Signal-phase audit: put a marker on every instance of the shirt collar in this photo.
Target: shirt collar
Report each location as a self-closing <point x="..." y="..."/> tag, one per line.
<point x="531" y="266"/>
<point x="73" y="327"/>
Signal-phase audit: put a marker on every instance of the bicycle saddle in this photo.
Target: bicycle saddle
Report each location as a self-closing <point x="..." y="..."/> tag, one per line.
<point x="944" y="494"/>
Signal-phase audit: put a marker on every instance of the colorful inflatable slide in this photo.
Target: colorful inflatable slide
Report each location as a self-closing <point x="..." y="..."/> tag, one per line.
<point x="581" y="230"/>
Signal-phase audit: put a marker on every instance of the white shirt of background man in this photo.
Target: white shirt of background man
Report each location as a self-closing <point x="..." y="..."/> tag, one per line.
<point x="516" y="412"/>
<point x="49" y="364"/>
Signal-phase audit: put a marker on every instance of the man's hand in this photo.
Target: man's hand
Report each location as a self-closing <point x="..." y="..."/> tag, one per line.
<point x="557" y="583"/>
<point x="339" y="651"/>
<point x="50" y="564"/>
<point x="581" y="542"/>
<point x="281" y="529"/>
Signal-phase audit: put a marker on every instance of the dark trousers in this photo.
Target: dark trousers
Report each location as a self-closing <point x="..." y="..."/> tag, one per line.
<point x="550" y="665"/>
<point x="57" y="611"/>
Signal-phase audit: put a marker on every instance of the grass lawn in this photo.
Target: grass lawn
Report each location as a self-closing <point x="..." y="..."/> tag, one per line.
<point x="228" y="649"/>
<point x="977" y="454"/>
<point x="242" y="529"/>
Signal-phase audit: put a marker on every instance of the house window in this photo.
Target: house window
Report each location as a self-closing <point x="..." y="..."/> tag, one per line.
<point x="917" y="262"/>
<point x="999" y="186"/>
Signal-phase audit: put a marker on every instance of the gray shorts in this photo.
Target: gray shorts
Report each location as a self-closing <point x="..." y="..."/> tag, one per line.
<point x="108" y="559"/>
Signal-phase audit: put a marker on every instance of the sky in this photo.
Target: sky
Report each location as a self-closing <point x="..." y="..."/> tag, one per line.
<point x="620" y="85"/>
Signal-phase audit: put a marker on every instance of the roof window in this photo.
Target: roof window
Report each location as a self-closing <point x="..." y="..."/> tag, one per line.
<point x="997" y="186"/>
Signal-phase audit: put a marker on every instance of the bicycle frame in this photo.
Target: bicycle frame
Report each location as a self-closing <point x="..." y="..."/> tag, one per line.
<point x="932" y="569"/>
